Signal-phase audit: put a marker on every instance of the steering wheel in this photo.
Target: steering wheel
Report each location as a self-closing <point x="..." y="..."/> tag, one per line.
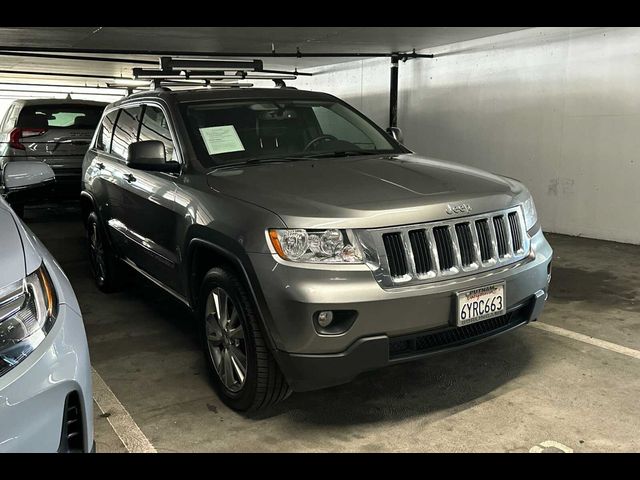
<point x="319" y="139"/>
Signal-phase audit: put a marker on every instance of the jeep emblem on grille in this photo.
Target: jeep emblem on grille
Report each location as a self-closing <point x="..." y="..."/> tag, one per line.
<point x="462" y="208"/>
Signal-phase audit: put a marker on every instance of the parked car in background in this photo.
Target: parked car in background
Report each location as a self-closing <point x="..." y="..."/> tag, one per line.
<point x="45" y="374"/>
<point x="311" y="244"/>
<point x="57" y="132"/>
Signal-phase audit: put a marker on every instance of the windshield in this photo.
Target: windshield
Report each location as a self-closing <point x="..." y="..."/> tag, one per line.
<point x="253" y="130"/>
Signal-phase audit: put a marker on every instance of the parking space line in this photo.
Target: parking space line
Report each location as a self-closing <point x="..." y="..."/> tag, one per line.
<point x="122" y="423"/>
<point x="614" y="347"/>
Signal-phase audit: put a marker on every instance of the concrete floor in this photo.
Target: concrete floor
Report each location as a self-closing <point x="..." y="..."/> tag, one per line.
<point x="509" y="394"/>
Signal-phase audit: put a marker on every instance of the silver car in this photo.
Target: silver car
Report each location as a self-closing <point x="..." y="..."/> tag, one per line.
<point x="45" y="374"/>
<point x="56" y="132"/>
<point x="309" y="243"/>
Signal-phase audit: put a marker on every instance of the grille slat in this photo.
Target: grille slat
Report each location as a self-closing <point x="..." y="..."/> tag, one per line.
<point x="395" y="253"/>
<point x="420" y="247"/>
<point x="501" y="235"/>
<point x="444" y="247"/>
<point x="484" y="235"/>
<point x="514" y="225"/>
<point x="465" y="242"/>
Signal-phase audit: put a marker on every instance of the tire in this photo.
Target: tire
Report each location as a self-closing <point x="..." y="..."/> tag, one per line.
<point x="104" y="265"/>
<point x="263" y="384"/>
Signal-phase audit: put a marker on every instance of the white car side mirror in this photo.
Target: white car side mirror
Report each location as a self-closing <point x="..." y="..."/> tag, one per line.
<point x="18" y="175"/>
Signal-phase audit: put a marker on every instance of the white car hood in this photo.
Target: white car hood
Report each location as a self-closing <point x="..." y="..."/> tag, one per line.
<point x="18" y="254"/>
<point x="11" y="251"/>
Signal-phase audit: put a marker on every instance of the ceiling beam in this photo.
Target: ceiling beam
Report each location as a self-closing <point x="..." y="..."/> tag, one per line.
<point x="58" y="74"/>
<point x="5" y="53"/>
<point x="190" y="53"/>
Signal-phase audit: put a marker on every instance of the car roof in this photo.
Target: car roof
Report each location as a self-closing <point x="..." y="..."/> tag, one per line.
<point x="213" y="94"/>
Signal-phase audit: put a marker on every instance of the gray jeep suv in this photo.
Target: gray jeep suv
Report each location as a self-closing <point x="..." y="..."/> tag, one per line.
<point x="310" y="244"/>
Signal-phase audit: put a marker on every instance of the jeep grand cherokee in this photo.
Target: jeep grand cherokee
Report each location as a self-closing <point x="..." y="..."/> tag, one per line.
<point x="309" y="243"/>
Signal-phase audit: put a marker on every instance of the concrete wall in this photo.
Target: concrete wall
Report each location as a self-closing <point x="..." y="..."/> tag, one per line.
<point x="558" y="108"/>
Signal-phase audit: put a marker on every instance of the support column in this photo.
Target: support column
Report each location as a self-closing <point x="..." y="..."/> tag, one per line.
<point x="393" y="91"/>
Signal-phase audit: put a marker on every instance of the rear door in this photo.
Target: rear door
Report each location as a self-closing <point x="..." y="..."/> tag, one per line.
<point x="58" y="134"/>
<point x="100" y="165"/>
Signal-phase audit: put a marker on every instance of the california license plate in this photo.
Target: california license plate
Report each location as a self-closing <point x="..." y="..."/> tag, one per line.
<point x="480" y="304"/>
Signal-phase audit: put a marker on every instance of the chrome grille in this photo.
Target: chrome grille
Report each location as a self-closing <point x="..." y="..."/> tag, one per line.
<point x="428" y="252"/>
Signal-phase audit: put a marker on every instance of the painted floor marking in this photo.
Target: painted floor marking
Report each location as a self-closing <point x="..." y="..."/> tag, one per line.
<point x="123" y="425"/>
<point x="614" y="347"/>
<point x="542" y="446"/>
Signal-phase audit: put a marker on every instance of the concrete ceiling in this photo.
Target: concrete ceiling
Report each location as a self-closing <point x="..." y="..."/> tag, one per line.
<point x="132" y="42"/>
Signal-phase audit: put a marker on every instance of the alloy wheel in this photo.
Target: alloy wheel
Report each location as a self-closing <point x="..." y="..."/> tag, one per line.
<point x="225" y="339"/>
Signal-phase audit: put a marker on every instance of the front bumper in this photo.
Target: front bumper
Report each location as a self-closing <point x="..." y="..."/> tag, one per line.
<point x="385" y="318"/>
<point x="33" y="394"/>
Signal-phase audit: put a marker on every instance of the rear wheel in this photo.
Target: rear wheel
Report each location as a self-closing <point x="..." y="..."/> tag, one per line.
<point x="244" y="373"/>
<point x="104" y="265"/>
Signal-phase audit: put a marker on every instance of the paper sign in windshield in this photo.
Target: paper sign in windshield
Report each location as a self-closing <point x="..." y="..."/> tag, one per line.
<point x="221" y="139"/>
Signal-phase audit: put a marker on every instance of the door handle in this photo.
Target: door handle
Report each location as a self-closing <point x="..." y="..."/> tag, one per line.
<point x="130" y="178"/>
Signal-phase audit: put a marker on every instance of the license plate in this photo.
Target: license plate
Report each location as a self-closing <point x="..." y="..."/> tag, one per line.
<point x="480" y="304"/>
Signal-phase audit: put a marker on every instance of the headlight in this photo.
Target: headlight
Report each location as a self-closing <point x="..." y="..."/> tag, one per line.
<point x="27" y="313"/>
<point x="316" y="246"/>
<point x="530" y="214"/>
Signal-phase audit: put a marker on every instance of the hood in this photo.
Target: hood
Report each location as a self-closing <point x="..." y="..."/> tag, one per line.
<point x="366" y="191"/>
<point x="12" y="266"/>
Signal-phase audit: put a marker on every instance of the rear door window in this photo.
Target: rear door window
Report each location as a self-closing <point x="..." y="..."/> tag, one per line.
<point x="126" y="131"/>
<point x="72" y="117"/>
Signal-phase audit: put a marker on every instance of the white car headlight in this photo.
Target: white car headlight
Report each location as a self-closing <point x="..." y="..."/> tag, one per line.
<point x="316" y="246"/>
<point x="530" y="214"/>
<point x="27" y="312"/>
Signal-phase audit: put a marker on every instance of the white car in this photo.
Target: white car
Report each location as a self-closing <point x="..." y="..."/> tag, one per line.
<point x="45" y="373"/>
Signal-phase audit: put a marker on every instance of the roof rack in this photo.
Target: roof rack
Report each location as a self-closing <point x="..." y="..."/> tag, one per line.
<point x="205" y="73"/>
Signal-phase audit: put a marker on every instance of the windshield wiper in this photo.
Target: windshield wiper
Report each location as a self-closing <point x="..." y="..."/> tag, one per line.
<point x="293" y="158"/>
<point x="257" y="160"/>
<point x="340" y="153"/>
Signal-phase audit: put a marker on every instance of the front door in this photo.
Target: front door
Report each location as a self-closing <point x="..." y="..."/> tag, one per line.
<point x="143" y="212"/>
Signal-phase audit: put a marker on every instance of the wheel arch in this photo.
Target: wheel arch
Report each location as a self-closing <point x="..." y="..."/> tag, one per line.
<point x="202" y="254"/>
<point x="87" y="205"/>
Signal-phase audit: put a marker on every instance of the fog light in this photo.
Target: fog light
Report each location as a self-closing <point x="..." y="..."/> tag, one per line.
<point x="325" y="319"/>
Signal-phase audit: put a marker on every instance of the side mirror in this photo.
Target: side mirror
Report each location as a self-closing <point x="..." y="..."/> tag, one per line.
<point x="19" y="175"/>
<point x="396" y="133"/>
<point x="150" y="155"/>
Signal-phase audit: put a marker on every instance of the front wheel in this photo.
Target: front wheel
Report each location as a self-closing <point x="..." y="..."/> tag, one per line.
<point x="245" y="374"/>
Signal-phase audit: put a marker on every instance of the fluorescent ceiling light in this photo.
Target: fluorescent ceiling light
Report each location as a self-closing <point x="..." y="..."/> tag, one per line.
<point x="129" y="82"/>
